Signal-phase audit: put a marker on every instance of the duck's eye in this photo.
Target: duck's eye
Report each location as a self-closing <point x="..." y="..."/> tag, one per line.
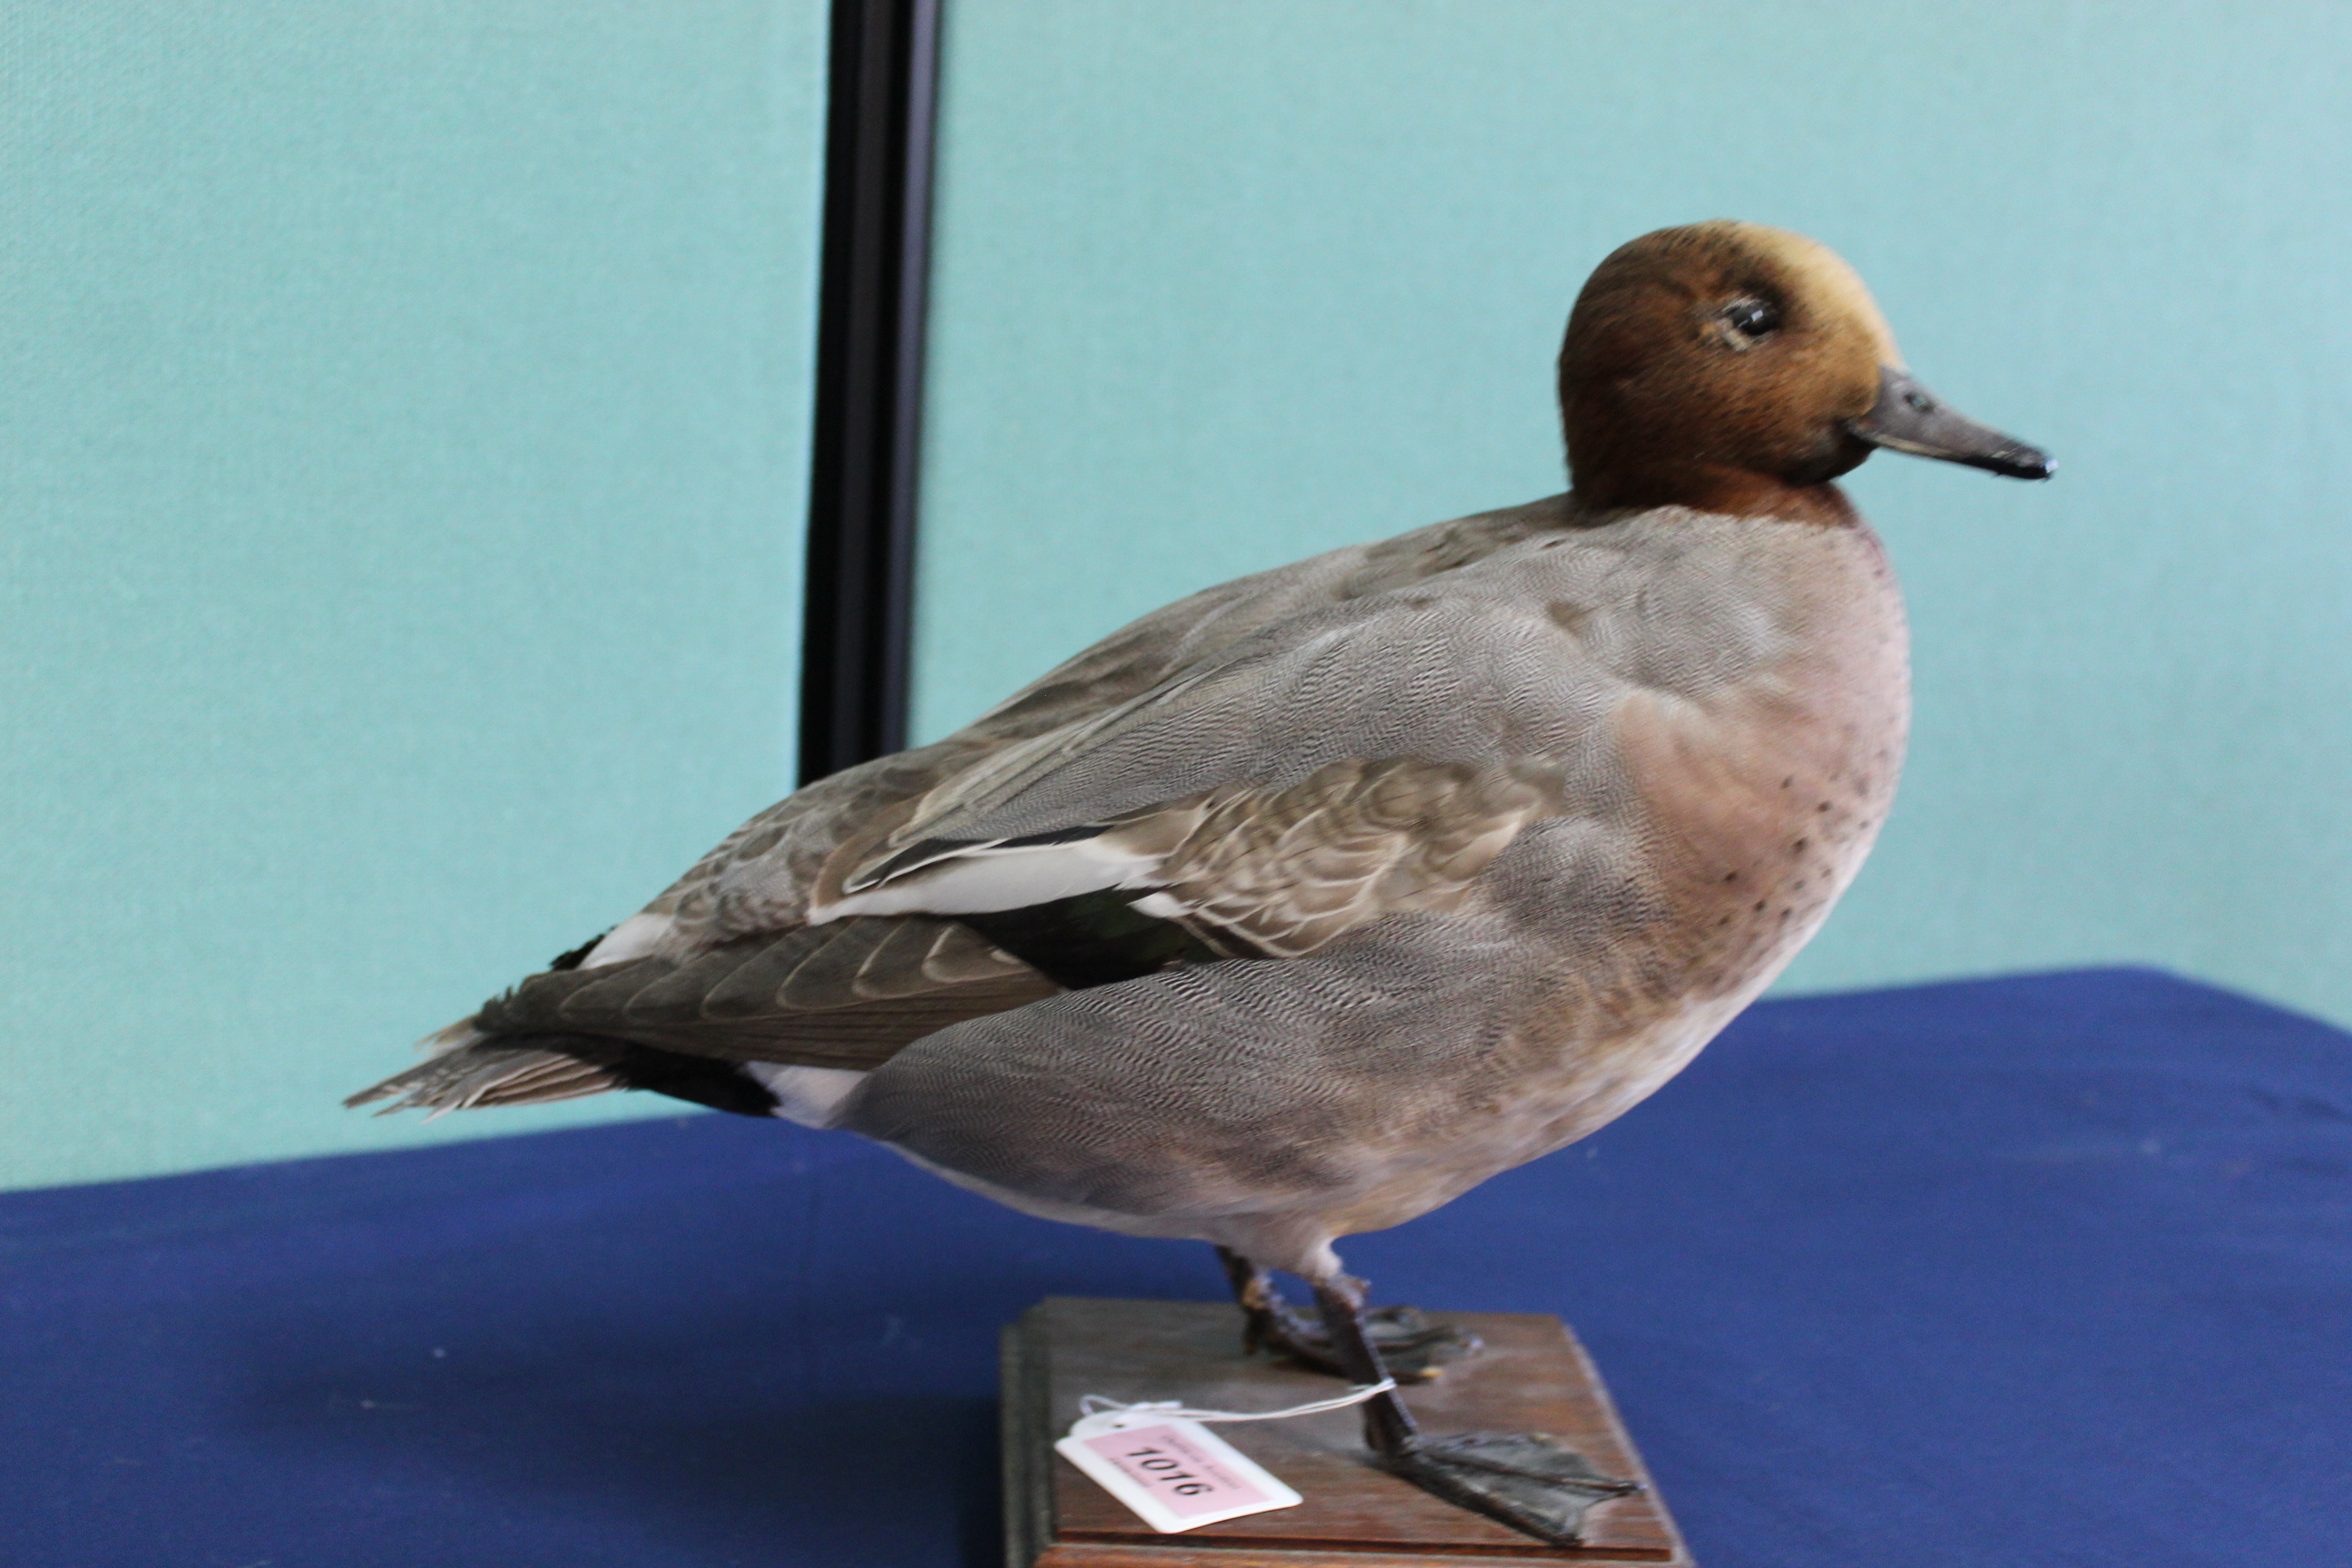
<point x="1751" y="319"/>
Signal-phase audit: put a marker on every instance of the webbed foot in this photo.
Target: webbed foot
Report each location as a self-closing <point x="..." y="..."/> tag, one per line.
<point x="1525" y="1480"/>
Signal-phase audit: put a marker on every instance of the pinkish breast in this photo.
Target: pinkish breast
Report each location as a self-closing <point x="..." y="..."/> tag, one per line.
<point x="1762" y="797"/>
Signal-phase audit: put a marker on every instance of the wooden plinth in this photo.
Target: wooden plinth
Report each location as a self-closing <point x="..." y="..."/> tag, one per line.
<point x="1532" y="1376"/>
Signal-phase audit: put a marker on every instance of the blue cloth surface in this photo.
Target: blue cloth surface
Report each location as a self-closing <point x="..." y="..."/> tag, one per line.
<point x="2045" y="1270"/>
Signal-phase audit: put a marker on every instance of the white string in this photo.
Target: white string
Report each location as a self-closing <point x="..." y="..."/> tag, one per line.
<point x="1094" y="1404"/>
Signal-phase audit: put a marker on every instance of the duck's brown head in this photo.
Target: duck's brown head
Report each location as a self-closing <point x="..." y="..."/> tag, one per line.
<point x="1736" y="368"/>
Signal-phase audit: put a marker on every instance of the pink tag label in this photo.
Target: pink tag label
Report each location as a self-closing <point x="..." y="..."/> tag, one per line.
<point x="1178" y="1473"/>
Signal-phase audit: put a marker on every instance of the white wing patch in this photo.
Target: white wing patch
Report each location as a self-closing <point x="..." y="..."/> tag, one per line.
<point x="633" y="938"/>
<point x="998" y="877"/>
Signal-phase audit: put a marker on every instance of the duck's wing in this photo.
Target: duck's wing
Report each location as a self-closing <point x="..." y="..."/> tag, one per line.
<point x="766" y="875"/>
<point x="1369" y="758"/>
<point x="1237" y="870"/>
<point x="725" y="966"/>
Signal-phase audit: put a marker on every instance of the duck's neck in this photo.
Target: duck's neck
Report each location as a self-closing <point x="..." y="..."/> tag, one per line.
<point x="1706" y="487"/>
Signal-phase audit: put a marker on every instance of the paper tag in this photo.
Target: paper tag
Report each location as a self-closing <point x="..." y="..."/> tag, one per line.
<point x="1176" y="1475"/>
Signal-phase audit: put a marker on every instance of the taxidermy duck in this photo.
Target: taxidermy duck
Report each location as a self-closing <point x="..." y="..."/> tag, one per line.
<point x="1309" y="902"/>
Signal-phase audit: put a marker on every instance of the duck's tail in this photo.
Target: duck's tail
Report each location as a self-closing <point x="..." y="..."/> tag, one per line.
<point x="471" y="1069"/>
<point x="467" y="1069"/>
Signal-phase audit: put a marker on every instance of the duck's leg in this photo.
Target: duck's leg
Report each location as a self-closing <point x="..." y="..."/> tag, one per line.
<point x="1414" y="1348"/>
<point x="1524" y="1479"/>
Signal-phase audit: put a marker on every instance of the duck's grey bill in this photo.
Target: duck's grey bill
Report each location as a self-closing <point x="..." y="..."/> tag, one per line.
<point x="1910" y="419"/>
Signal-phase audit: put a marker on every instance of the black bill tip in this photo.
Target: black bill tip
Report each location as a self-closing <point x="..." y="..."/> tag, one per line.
<point x="2016" y="461"/>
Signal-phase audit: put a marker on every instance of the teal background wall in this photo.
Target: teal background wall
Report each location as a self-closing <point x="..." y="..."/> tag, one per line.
<point x="401" y="446"/>
<point x="1226" y="283"/>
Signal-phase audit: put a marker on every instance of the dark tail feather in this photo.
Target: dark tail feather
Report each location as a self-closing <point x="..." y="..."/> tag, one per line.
<point x="489" y="1072"/>
<point x="537" y="1070"/>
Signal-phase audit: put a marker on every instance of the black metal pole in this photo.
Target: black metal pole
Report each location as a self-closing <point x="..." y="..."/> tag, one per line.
<point x="870" y="375"/>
